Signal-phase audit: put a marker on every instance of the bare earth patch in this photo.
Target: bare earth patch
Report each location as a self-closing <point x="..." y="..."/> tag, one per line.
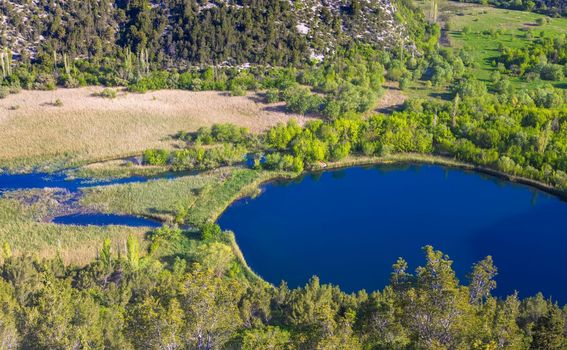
<point x="392" y="99"/>
<point x="88" y="128"/>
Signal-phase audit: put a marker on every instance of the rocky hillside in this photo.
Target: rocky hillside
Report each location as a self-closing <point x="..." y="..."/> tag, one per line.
<point x="177" y="32"/>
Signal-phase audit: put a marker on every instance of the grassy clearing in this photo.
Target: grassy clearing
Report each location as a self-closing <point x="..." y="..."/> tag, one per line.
<point x="200" y="197"/>
<point x="480" y="20"/>
<point x="87" y="129"/>
<point x="514" y="26"/>
<point x="162" y="198"/>
<point x="19" y="226"/>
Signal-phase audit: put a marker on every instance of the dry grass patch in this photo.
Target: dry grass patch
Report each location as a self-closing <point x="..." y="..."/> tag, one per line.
<point x="87" y="128"/>
<point x="75" y="244"/>
<point x="392" y="99"/>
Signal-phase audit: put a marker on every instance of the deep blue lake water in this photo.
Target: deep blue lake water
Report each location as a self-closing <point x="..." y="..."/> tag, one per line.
<point x="106" y="220"/>
<point x="349" y="226"/>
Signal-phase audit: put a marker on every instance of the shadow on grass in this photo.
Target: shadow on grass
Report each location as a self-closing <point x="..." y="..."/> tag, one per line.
<point x="447" y="96"/>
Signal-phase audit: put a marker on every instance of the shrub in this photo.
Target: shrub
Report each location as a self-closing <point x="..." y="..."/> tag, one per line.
<point x="301" y="100"/>
<point x="44" y="81"/>
<point x="156" y="157"/>
<point x="272" y="161"/>
<point x="273" y="96"/>
<point x="139" y="87"/>
<point x="58" y="103"/>
<point x="340" y="151"/>
<point x="70" y="82"/>
<point x="395" y="73"/>
<point x="237" y="90"/>
<point x="4" y="92"/>
<point x="228" y="133"/>
<point x="107" y="93"/>
<point x="370" y="148"/>
<point x="15" y="88"/>
<point x="553" y="72"/>
<point x="203" y="136"/>
<point x="404" y="84"/>
<point x="210" y="232"/>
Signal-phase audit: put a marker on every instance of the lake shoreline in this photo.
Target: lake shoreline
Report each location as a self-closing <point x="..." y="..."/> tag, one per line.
<point x="434" y="204"/>
<point x="415" y="158"/>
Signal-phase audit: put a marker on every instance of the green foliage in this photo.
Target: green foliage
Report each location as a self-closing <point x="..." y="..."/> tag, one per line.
<point x="468" y="87"/>
<point x="133" y="251"/>
<point x="210" y="232"/>
<point x="301" y="100"/>
<point x="207" y="158"/>
<point x="287" y="162"/>
<point x="155" y="157"/>
<point x="4" y="92"/>
<point x="6" y="252"/>
<point x="166" y="233"/>
<point x="266" y="338"/>
<point x="549" y="331"/>
<point x="48" y="305"/>
<point x="549" y="7"/>
<point x="237" y="90"/>
<point x="273" y="96"/>
<point x="544" y="57"/>
<point x="107" y="93"/>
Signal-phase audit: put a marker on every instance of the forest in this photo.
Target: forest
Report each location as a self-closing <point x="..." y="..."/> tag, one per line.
<point x="125" y="301"/>
<point x="178" y="34"/>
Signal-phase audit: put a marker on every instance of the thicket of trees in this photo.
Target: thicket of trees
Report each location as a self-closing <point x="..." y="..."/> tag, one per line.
<point x="545" y="58"/>
<point x="124" y="301"/>
<point x="549" y="7"/>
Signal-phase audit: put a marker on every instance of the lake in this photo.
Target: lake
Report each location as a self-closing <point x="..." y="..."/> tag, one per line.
<point x="349" y="226"/>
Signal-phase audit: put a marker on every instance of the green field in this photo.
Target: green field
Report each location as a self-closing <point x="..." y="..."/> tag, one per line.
<point x="198" y="198"/>
<point x="158" y="198"/>
<point x="489" y="28"/>
<point x="483" y="40"/>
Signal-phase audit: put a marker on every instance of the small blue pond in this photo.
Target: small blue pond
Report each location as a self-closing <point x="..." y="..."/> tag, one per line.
<point x="349" y="226"/>
<point x="105" y="220"/>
